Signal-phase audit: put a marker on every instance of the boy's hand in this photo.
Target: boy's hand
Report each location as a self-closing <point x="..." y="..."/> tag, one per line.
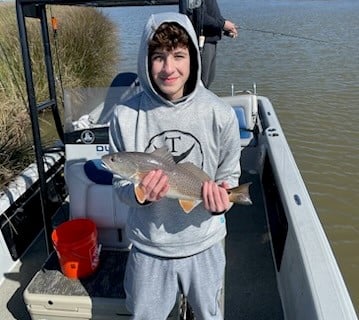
<point x="153" y="186"/>
<point x="215" y="197"/>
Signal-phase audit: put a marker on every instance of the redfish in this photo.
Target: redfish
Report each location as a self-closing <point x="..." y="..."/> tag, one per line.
<point x="185" y="179"/>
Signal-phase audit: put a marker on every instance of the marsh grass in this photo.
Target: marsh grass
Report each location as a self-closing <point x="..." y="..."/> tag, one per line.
<point x="86" y="46"/>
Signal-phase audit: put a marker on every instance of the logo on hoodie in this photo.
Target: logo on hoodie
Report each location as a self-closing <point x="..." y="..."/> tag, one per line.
<point x="183" y="146"/>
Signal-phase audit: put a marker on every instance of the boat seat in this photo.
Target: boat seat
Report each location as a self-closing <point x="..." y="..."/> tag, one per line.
<point x="245" y="134"/>
<point x="246" y="108"/>
<point x="89" y="184"/>
<point x="92" y="196"/>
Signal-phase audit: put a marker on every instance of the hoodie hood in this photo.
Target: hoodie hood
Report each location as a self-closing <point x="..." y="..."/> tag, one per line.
<point x="152" y="25"/>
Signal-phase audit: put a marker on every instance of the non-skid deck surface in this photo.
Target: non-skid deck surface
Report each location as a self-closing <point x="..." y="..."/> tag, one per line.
<point x="51" y="295"/>
<point x="251" y="290"/>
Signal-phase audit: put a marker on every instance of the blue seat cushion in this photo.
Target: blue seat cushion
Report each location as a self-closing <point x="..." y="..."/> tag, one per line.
<point x="241" y="117"/>
<point x="97" y="173"/>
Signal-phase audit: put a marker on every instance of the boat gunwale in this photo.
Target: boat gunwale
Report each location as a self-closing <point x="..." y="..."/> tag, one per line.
<point x="330" y="296"/>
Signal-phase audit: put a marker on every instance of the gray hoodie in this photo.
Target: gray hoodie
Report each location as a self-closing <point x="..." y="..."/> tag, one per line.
<point x="199" y="128"/>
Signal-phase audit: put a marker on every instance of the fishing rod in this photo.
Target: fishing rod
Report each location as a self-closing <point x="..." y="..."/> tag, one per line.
<point x="54" y="32"/>
<point x="284" y="34"/>
<point x="274" y="33"/>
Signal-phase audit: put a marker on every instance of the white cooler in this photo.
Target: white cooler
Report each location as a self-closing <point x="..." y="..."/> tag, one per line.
<point x="52" y="296"/>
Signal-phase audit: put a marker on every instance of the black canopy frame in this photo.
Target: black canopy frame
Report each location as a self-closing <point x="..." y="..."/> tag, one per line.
<point x="36" y="9"/>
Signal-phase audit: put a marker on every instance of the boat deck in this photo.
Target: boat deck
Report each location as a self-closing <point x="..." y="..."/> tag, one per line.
<point x="251" y="289"/>
<point x="250" y="292"/>
<point x="12" y="304"/>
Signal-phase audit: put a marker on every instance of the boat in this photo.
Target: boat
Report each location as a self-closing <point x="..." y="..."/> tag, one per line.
<point x="279" y="262"/>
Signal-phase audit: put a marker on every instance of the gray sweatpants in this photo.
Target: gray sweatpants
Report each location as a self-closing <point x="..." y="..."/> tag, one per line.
<point x="152" y="284"/>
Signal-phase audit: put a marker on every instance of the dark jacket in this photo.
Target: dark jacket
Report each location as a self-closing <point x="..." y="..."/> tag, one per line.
<point x="207" y="20"/>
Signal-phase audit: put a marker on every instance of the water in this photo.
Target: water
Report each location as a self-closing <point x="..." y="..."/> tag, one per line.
<point x="314" y="86"/>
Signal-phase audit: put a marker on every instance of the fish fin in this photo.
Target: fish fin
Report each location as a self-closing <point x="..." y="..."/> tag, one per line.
<point x="194" y="171"/>
<point x="140" y="194"/>
<point x="138" y="176"/>
<point x="240" y="194"/>
<point x="188" y="205"/>
<point x="164" y="155"/>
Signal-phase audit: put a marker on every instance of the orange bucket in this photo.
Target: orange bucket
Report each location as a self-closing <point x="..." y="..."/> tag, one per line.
<point x="75" y="242"/>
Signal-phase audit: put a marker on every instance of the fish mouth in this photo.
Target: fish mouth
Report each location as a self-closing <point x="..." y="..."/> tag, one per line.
<point x="105" y="165"/>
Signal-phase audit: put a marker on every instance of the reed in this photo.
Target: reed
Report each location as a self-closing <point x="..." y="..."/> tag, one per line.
<point x="88" y="55"/>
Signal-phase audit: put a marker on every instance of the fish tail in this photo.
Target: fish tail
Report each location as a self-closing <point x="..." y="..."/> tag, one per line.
<point x="240" y="194"/>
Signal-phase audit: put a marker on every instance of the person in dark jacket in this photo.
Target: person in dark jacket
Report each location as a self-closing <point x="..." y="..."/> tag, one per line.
<point x="209" y="25"/>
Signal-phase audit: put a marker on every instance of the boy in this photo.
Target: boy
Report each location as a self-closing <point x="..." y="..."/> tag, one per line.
<point x="174" y="251"/>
